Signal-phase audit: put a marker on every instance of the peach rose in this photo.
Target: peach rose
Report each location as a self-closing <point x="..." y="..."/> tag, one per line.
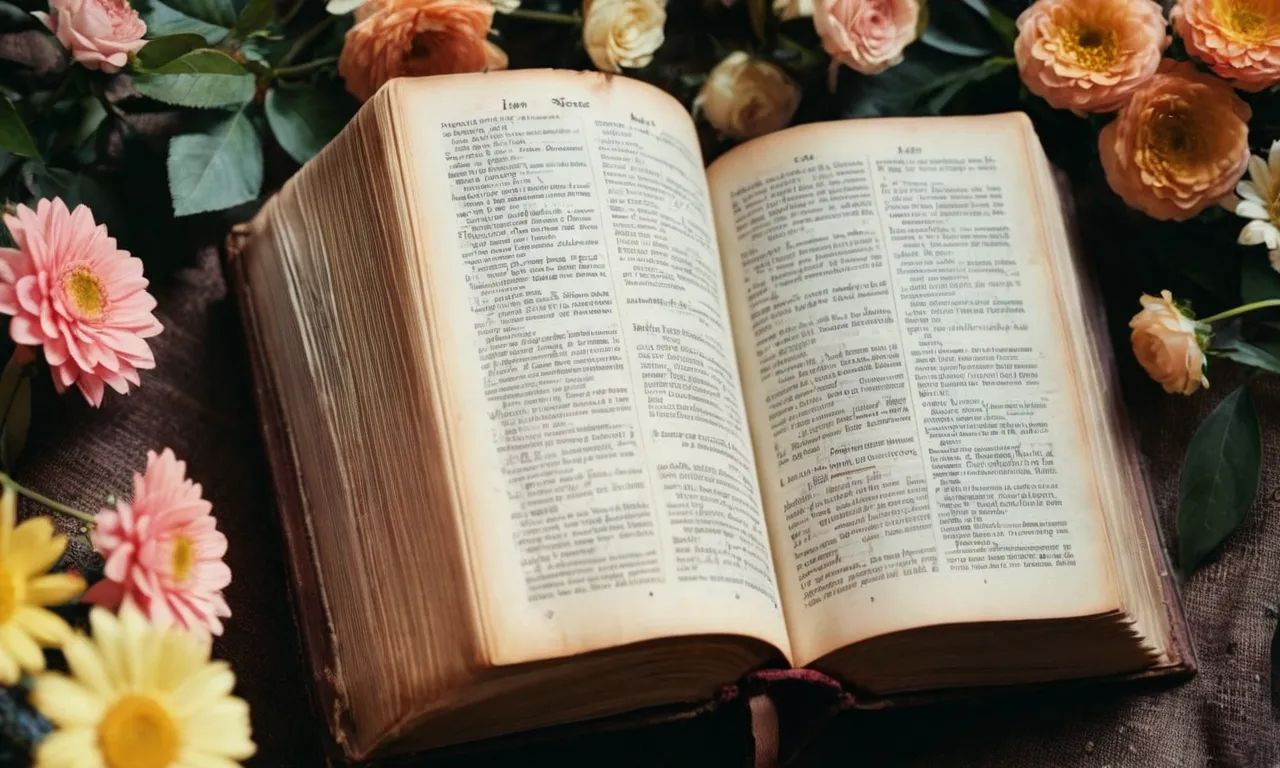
<point x="414" y="38"/>
<point x="623" y="33"/>
<point x="100" y="34"/>
<point x="1089" y="55"/>
<point x="745" y="97"/>
<point x="1238" y="39"/>
<point x="1178" y="145"/>
<point x="1167" y="345"/>
<point x="866" y="35"/>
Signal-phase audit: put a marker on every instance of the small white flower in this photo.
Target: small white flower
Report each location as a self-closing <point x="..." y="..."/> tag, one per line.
<point x="1259" y="200"/>
<point x="506" y="6"/>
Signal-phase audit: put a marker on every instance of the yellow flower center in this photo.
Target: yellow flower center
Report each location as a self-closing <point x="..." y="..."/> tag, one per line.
<point x="10" y="595"/>
<point x="137" y="733"/>
<point x="1177" y="139"/>
<point x="184" y="558"/>
<point x="1090" y="48"/>
<point x="84" y="291"/>
<point x="1247" y="21"/>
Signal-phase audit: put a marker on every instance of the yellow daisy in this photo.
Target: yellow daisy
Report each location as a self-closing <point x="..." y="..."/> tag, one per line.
<point x="26" y="553"/>
<point x="141" y="696"/>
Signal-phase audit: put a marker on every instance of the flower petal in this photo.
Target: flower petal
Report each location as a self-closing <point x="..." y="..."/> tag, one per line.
<point x="54" y="589"/>
<point x="45" y="626"/>
<point x="1248" y="191"/>
<point x="72" y="748"/>
<point x="90" y="669"/>
<point x="24" y="650"/>
<point x="66" y="702"/>
<point x="1259" y="173"/>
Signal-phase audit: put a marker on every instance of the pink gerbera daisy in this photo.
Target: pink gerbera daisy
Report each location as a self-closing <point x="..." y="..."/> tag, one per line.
<point x="71" y="291"/>
<point x="163" y="550"/>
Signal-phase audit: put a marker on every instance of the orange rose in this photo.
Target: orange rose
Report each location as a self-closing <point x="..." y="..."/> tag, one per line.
<point x="1167" y="346"/>
<point x="1238" y="39"/>
<point x="1179" y="145"/>
<point x="414" y="38"/>
<point x="1089" y="55"/>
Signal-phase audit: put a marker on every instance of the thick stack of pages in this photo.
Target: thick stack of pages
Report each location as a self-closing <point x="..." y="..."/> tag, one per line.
<point x="566" y="426"/>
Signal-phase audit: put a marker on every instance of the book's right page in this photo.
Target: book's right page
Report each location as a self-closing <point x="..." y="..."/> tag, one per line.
<point x="919" y="422"/>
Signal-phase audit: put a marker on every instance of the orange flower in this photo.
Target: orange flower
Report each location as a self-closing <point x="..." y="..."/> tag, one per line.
<point x="1167" y="345"/>
<point x="413" y="38"/>
<point x="1238" y="39"/>
<point x="1179" y="145"/>
<point x="1089" y="55"/>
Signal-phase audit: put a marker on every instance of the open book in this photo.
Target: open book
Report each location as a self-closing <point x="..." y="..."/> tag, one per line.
<point x="573" y="427"/>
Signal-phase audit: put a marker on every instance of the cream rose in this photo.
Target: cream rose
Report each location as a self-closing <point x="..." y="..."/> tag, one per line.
<point x="622" y="33"/>
<point x="1165" y="343"/>
<point x="866" y="35"/>
<point x="100" y="34"/>
<point x="792" y="9"/>
<point x="745" y="97"/>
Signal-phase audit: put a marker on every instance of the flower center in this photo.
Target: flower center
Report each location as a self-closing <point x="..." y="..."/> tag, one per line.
<point x="85" y="292"/>
<point x="137" y="733"/>
<point x="184" y="558"/>
<point x="1246" y="21"/>
<point x="1176" y="138"/>
<point x="10" y="595"/>
<point x="1091" y="48"/>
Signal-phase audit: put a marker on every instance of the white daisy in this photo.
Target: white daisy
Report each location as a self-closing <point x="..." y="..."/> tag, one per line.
<point x="1259" y="200"/>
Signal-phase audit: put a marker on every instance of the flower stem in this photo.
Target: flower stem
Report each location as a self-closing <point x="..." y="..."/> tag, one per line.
<point x="45" y="500"/>
<point x="302" y="69"/>
<point x="292" y="12"/>
<point x="305" y="39"/>
<point x="552" y="16"/>
<point x="1240" y="310"/>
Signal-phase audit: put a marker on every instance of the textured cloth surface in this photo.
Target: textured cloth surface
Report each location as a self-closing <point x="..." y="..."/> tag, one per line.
<point x="198" y="402"/>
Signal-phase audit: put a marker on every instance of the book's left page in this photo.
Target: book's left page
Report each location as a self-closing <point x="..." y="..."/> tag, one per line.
<point x="595" y="419"/>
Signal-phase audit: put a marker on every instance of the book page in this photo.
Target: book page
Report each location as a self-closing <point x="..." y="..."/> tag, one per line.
<point x="607" y="476"/>
<point x="917" y="421"/>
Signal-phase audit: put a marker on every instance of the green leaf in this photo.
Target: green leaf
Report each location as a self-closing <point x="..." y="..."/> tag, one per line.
<point x="15" y="410"/>
<point x="163" y="21"/>
<point x="202" y="78"/>
<point x="14" y="136"/>
<point x="220" y="12"/>
<point x="15" y="19"/>
<point x="940" y="40"/>
<point x="1265" y="356"/>
<point x="215" y="170"/>
<point x="965" y="77"/>
<point x="305" y="118"/>
<point x="1004" y="26"/>
<point x="255" y="15"/>
<point x="264" y="50"/>
<point x="1258" y="281"/>
<point x="1219" y="478"/>
<point x="758" y="12"/>
<point x="163" y="50"/>
<point x="13" y="436"/>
